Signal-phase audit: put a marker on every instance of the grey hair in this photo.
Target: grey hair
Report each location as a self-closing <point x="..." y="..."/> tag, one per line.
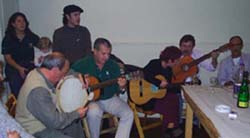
<point x="54" y="59"/>
<point x="102" y="41"/>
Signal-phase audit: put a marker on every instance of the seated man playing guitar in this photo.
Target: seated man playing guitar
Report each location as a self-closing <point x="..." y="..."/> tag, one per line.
<point x="168" y="106"/>
<point x="187" y="44"/>
<point x="102" y="67"/>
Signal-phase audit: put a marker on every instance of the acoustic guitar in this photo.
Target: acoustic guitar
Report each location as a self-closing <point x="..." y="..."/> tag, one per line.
<point x="188" y="66"/>
<point x="95" y="85"/>
<point x="141" y="91"/>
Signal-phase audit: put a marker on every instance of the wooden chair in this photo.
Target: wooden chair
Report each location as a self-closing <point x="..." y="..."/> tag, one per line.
<point x="139" y="93"/>
<point x="141" y="127"/>
<point x="111" y="129"/>
<point x="11" y="105"/>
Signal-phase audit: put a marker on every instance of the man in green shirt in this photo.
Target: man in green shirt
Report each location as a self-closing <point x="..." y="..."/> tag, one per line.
<point x="103" y="68"/>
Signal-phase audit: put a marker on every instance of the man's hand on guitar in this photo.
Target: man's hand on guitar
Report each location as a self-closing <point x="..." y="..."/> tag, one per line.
<point x="82" y="111"/>
<point x="215" y="54"/>
<point x="85" y="80"/>
<point x="122" y="82"/>
<point x="163" y="84"/>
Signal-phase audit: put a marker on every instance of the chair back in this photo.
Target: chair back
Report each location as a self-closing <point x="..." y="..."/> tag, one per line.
<point x="143" y="125"/>
<point x="11" y="105"/>
<point x="110" y="129"/>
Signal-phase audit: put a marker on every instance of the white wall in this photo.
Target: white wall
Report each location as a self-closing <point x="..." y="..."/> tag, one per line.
<point x="7" y="8"/>
<point x="147" y="20"/>
<point x="140" y="29"/>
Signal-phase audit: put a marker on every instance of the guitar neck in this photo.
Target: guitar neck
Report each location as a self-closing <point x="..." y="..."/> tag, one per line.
<point x="199" y="60"/>
<point x="102" y="84"/>
<point x="113" y="81"/>
<point x="208" y="55"/>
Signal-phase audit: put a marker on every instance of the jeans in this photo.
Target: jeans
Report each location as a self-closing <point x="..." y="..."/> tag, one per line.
<point x="114" y="106"/>
<point x="181" y="102"/>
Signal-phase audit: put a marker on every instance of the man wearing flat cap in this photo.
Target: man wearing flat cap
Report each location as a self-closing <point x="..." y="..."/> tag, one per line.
<point x="72" y="39"/>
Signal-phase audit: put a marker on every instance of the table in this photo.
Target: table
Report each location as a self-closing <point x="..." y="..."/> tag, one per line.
<point x="201" y="100"/>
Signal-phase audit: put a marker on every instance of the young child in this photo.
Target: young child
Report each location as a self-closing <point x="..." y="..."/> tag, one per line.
<point x="43" y="48"/>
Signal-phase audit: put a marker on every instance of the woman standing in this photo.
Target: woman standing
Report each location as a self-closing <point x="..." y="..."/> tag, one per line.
<point x="18" y="51"/>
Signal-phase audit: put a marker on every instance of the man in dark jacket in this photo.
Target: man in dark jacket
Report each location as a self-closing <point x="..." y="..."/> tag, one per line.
<point x="72" y="39"/>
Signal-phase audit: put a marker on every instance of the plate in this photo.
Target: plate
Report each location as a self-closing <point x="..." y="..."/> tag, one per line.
<point x="222" y="108"/>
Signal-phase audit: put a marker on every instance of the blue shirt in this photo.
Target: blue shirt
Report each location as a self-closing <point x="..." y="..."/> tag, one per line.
<point x="7" y="123"/>
<point x="228" y="68"/>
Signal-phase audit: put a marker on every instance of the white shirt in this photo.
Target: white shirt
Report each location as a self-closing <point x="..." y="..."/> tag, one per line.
<point x="206" y="64"/>
<point x="228" y="69"/>
<point x="38" y="55"/>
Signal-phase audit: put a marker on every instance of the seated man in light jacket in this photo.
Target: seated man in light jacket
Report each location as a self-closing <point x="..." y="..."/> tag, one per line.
<point x="36" y="107"/>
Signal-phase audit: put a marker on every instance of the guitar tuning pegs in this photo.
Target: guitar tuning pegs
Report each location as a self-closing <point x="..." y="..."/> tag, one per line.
<point x="138" y="74"/>
<point x="122" y="71"/>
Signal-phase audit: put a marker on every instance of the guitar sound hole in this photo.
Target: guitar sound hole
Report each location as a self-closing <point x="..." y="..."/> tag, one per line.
<point x="185" y="68"/>
<point x="141" y="91"/>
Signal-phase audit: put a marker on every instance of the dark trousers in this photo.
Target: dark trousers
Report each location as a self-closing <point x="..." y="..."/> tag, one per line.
<point x="15" y="80"/>
<point x="168" y="106"/>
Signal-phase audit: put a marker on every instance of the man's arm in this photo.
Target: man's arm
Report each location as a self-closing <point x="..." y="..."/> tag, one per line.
<point x="149" y="75"/>
<point x="41" y="106"/>
<point x="10" y="124"/>
<point x="56" y="42"/>
<point x="206" y="64"/>
<point x="88" y="42"/>
<point x="214" y="57"/>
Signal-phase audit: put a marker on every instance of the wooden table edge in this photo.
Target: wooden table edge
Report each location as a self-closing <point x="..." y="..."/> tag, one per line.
<point x="205" y="121"/>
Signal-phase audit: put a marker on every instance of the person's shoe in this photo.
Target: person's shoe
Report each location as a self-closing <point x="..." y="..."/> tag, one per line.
<point x="177" y="132"/>
<point x="167" y="135"/>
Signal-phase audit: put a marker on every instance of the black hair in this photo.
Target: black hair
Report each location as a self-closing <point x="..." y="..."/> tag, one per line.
<point x="186" y="38"/>
<point x="10" y="30"/>
<point x="170" y="53"/>
<point x="236" y="36"/>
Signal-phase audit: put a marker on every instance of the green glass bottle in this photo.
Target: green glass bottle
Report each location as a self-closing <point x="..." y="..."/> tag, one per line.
<point x="243" y="96"/>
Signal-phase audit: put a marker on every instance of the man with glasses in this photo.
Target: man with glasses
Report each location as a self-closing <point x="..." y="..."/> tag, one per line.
<point x="230" y="66"/>
<point x="37" y="108"/>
